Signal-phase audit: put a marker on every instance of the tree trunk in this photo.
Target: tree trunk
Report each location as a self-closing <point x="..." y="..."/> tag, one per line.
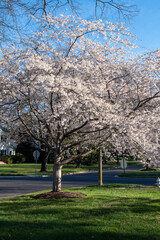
<point x="117" y="158"/>
<point x="78" y="164"/>
<point x="57" y="177"/>
<point x="44" y="165"/>
<point x="100" y="167"/>
<point x="44" y="160"/>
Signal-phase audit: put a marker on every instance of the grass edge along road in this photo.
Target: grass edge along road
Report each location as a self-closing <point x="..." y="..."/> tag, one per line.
<point x="111" y="212"/>
<point x="142" y="174"/>
<point x="30" y="168"/>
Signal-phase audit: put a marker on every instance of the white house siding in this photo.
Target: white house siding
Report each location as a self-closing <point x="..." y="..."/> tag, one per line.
<point x="7" y="145"/>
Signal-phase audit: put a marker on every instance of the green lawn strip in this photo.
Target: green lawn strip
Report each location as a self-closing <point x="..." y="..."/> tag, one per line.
<point x="142" y="174"/>
<point x="107" y="212"/>
<point x="30" y="169"/>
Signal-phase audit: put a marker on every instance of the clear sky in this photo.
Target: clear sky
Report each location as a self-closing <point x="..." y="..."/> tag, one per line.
<point x="146" y="25"/>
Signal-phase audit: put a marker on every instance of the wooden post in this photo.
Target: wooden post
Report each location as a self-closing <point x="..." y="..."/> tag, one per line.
<point x="100" y="167"/>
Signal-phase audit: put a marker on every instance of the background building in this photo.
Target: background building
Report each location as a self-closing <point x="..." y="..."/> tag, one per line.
<point x="7" y="145"/>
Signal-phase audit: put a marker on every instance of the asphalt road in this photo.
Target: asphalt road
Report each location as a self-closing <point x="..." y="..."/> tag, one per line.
<point x="16" y="186"/>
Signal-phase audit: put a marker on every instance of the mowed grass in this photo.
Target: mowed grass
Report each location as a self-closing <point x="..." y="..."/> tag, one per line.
<point x="142" y="174"/>
<point x="105" y="213"/>
<point x="32" y="169"/>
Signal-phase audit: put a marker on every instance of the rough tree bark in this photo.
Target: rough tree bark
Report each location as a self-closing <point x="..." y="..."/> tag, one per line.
<point x="57" y="177"/>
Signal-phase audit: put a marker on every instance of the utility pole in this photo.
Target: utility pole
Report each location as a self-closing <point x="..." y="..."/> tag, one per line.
<point x="100" y="167"/>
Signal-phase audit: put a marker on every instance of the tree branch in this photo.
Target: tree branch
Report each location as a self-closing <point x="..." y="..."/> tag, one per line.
<point x="101" y="143"/>
<point x="144" y="101"/>
<point x="73" y="131"/>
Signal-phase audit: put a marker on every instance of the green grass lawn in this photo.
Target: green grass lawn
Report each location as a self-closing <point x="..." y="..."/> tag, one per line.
<point x="108" y="212"/>
<point x="29" y="169"/>
<point x="142" y="174"/>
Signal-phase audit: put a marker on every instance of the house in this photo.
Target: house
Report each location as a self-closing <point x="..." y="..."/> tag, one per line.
<point x="7" y="145"/>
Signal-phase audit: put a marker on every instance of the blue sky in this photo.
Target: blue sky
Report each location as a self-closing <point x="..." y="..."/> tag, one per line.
<point x="146" y="25"/>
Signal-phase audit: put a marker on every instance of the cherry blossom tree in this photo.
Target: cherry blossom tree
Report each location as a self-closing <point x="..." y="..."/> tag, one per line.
<point x="140" y="136"/>
<point x="73" y="84"/>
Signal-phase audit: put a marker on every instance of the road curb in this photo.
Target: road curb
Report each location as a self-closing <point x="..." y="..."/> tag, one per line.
<point x="64" y="174"/>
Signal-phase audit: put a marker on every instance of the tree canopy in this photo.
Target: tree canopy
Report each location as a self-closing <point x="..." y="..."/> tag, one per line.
<point x="75" y="84"/>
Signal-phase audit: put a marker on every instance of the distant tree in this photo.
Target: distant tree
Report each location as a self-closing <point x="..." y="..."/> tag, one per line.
<point x="27" y="145"/>
<point x="26" y="148"/>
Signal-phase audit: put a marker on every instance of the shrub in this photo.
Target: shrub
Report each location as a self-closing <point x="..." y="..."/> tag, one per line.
<point x="7" y="159"/>
<point x="18" y="158"/>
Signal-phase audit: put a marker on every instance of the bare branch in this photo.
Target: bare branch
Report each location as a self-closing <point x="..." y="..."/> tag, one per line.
<point x="73" y="131"/>
<point x="144" y="101"/>
<point x="100" y="144"/>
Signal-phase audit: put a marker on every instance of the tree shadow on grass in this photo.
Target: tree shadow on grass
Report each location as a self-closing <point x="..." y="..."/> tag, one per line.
<point x="104" y="203"/>
<point x="18" y="230"/>
<point x="100" y="217"/>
